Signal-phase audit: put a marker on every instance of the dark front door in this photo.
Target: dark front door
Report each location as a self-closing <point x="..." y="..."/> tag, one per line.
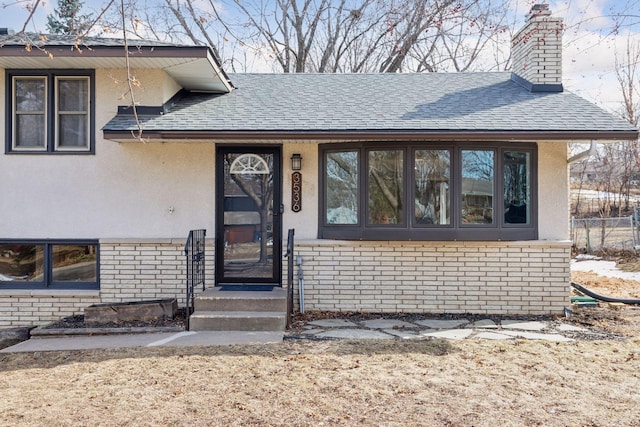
<point x="248" y="225"/>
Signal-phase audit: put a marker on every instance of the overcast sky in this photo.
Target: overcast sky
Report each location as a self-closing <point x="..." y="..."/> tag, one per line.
<point x="589" y="48"/>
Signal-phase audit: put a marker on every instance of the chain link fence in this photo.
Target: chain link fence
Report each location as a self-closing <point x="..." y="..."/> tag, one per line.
<point x="603" y="234"/>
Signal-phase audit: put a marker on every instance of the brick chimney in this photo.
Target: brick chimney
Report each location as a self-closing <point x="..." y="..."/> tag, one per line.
<point x="536" y="51"/>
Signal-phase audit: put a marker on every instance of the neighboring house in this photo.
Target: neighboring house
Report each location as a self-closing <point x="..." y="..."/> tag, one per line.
<point x="419" y="192"/>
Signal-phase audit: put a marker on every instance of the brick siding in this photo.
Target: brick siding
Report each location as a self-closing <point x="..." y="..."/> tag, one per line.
<point x="38" y="307"/>
<point x="436" y="277"/>
<point x="154" y="269"/>
<point x="426" y="277"/>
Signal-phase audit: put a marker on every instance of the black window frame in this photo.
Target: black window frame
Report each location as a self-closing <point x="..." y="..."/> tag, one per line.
<point x="48" y="283"/>
<point x="411" y="230"/>
<point x="50" y="114"/>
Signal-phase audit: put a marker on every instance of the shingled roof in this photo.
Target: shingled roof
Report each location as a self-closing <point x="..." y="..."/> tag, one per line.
<point x="375" y="106"/>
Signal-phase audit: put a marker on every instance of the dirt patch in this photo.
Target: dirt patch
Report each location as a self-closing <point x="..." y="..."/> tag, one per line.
<point x="628" y="264"/>
<point x="608" y="286"/>
<point x="615" y="318"/>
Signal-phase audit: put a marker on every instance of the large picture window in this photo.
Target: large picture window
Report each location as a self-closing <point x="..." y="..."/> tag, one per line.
<point x="49" y="112"/>
<point x="51" y="265"/>
<point x="428" y="191"/>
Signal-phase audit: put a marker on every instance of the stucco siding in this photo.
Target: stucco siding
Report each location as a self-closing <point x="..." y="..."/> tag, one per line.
<point x="137" y="189"/>
<point x="2" y="107"/>
<point x="150" y="87"/>
<point x="553" y="191"/>
<point x="304" y="222"/>
<point x="132" y="190"/>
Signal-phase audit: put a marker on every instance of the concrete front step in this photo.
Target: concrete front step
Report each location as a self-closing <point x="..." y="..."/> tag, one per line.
<point x="215" y="299"/>
<point x="237" y="321"/>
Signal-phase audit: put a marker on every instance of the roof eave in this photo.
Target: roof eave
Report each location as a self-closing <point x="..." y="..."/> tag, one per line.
<point x="202" y="61"/>
<point x="375" y="135"/>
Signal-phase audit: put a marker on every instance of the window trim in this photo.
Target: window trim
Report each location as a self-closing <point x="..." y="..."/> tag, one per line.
<point x="48" y="283"/>
<point x="57" y="114"/>
<point x="455" y="230"/>
<point x="51" y="111"/>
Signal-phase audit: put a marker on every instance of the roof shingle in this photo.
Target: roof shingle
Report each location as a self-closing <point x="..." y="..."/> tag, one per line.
<point x="428" y="102"/>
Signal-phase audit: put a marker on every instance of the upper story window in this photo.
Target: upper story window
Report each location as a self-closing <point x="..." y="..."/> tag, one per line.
<point x="413" y="191"/>
<point x="50" y="112"/>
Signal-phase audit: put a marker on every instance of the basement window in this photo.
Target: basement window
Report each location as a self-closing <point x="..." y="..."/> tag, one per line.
<point x="49" y="265"/>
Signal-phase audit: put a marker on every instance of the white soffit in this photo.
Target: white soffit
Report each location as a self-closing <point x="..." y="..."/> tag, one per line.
<point x="199" y="75"/>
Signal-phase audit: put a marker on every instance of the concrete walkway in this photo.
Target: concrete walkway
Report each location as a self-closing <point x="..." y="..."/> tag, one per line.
<point x="166" y="339"/>
<point x="453" y="329"/>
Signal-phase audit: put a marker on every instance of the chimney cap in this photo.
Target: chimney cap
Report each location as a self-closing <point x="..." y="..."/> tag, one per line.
<point x="541" y="9"/>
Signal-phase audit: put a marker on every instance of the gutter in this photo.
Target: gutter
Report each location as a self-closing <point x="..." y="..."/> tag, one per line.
<point x="585" y="154"/>
<point x="373" y="135"/>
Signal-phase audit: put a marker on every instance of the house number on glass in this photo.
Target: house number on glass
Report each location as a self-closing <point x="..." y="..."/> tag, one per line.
<point x="296" y="192"/>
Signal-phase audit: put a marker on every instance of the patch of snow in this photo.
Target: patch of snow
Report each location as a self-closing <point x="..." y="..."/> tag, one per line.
<point x="581" y="257"/>
<point x="604" y="268"/>
<point x="601" y="195"/>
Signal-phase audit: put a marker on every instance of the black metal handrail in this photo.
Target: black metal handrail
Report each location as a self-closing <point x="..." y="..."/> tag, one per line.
<point x="194" y="251"/>
<point x="290" y="258"/>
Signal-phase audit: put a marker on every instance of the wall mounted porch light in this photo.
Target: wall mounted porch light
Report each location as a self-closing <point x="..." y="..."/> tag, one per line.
<point x="296" y="162"/>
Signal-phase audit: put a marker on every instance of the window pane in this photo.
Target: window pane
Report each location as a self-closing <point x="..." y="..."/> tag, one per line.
<point x="29" y="122"/>
<point x="72" y="94"/>
<point x="30" y="94"/>
<point x="74" y="263"/>
<point x="517" y="187"/>
<point x="21" y="263"/>
<point x="342" y="187"/>
<point x="477" y="186"/>
<point x="386" y="187"/>
<point x="30" y="131"/>
<point x="432" y="181"/>
<point x="72" y="130"/>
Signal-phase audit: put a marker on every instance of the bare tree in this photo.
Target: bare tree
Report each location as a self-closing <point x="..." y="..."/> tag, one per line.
<point x="628" y="74"/>
<point x="340" y="35"/>
<point x="616" y="167"/>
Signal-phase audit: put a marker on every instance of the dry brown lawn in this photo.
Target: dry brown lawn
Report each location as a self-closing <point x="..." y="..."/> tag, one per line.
<point x="464" y="383"/>
<point x="298" y="383"/>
